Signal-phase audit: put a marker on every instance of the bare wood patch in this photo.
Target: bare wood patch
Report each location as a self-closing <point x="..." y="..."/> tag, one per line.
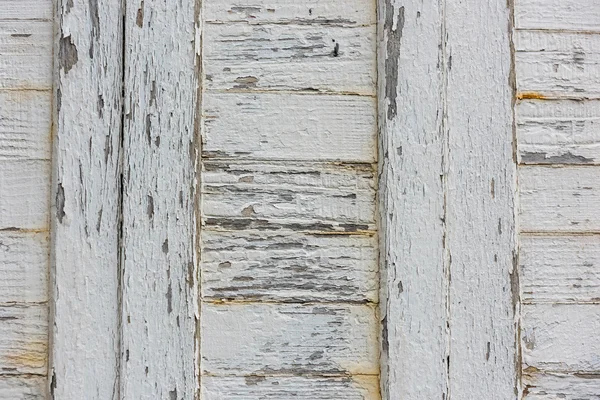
<point x="23" y="339"/>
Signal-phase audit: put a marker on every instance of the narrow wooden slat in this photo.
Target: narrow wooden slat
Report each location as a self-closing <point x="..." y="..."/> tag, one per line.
<point x="557" y="14"/>
<point x="85" y="195"/>
<point x="551" y="386"/>
<point x="25" y="9"/>
<point x="288" y="387"/>
<point x="25" y="55"/>
<point x="559" y="199"/>
<point x="23" y="339"/>
<point x="561" y="338"/>
<point x="24" y="259"/>
<point x="558" y="131"/>
<point x="294" y="339"/>
<point x="290" y="57"/>
<point x="289" y="127"/>
<point x="22" y="388"/>
<point x="159" y="260"/>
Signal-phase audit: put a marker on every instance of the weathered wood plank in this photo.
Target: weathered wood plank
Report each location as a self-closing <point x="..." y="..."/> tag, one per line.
<point x="289" y="127"/>
<point x="24" y="259"/>
<point x="291" y="195"/>
<point x="411" y="193"/>
<point x="290" y="387"/>
<point x="480" y="214"/>
<point x="23" y="339"/>
<point x="288" y="266"/>
<point x="24" y="194"/>
<point x="560" y="269"/>
<point x="290" y="57"/>
<point x="558" y="131"/>
<point x="293" y="339"/>
<point x="26" y="55"/>
<point x="85" y="195"/>
<point x="557" y="64"/>
<point x="22" y="388"/>
<point x="582" y="15"/>
<point x="25" y="124"/>
<point x="328" y="12"/>
<point x="159" y="207"/>
<point x="553" y="386"/>
<point x="25" y="9"/>
<point x="561" y="338"/>
<point x="559" y="199"/>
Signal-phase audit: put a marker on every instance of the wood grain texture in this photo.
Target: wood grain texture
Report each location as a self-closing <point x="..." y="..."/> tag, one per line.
<point x="25" y="10"/>
<point x="553" y="386"/>
<point x="25" y="54"/>
<point x="575" y="15"/>
<point x="261" y="57"/>
<point x="557" y="64"/>
<point x="23" y="339"/>
<point x="159" y="260"/>
<point x="85" y="195"/>
<point x="289" y="127"/>
<point x="290" y="387"/>
<point x="559" y="199"/>
<point x="22" y="388"/>
<point x="294" y="339"/>
<point x="560" y="269"/>
<point x="561" y="338"/>
<point x="558" y="131"/>
<point x="24" y="259"/>
<point x="305" y="12"/>
<point x="25" y="124"/>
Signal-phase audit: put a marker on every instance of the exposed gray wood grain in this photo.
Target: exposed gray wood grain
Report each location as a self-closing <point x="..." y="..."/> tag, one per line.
<point x="287" y="387"/>
<point x="24" y="259"/>
<point x="553" y="386"/>
<point x="290" y="57"/>
<point x="294" y="339"/>
<point x="558" y="131"/>
<point x="580" y="15"/>
<point x="288" y="266"/>
<point x="22" y="388"/>
<point x="23" y="339"/>
<point x="159" y="242"/>
<point x="289" y="127"/>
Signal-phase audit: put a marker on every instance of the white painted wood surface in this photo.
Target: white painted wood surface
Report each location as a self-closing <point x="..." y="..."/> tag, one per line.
<point x="551" y="386"/>
<point x="85" y="196"/>
<point x="576" y="15"/>
<point x="159" y="284"/>
<point x="23" y="339"/>
<point x="22" y="388"/>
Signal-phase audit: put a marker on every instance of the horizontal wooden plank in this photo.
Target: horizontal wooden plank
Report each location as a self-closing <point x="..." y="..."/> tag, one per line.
<point x="24" y="194"/>
<point x="557" y="64"/>
<point x="25" y="124"/>
<point x="553" y="386"/>
<point x="557" y="14"/>
<point x="558" y="131"/>
<point x="565" y="199"/>
<point x="290" y="57"/>
<point x="563" y="269"/>
<point x="294" y="387"/>
<point x="289" y="339"/>
<point x="21" y="387"/>
<point x="296" y="196"/>
<point x="23" y="339"/>
<point x="25" y="9"/>
<point x="26" y="55"/>
<point x="288" y="266"/>
<point x="289" y="127"/>
<point x="325" y="12"/>
<point x="561" y="337"/>
<point x="23" y="267"/>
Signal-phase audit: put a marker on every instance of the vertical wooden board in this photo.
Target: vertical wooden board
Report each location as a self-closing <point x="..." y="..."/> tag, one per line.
<point x="85" y="195"/>
<point x="23" y="267"/>
<point x="480" y="201"/>
<point x="554" y="386"/>
<point x="25" y="124"/>
<point x="558" y="131"/>
<point x="22" y="388"/>
<point x="23" y="339"/>
<point x="159" y="282"/>
<point x="561" y="337"/>
<point x="26" y="54"/>
<point x="560" y="269"/>
<point x="413" y="283"/>
<point x="579" y="15"/>
<point x="25" y="9"/>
